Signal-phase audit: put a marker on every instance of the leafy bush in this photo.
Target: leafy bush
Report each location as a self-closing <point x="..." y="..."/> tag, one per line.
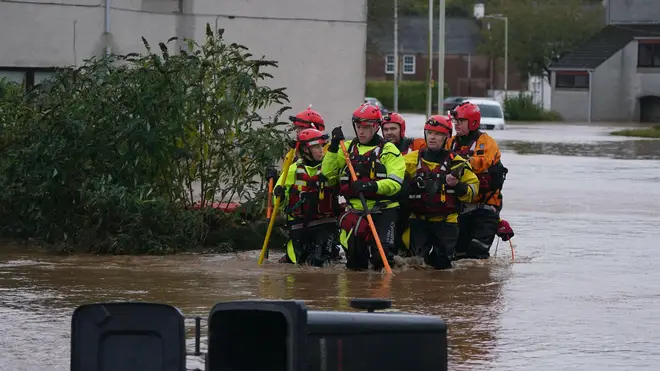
<point x="523" y="108"/>
<point x="110" y="156"/>
<point x="412" y="94"/>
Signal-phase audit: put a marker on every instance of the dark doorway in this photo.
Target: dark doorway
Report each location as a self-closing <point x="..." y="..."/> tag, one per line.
<point x="649" y="109"/>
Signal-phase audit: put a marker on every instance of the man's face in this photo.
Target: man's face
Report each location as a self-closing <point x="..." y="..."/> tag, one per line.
<point x="462" y="126"/>
<point x="365" y="132"/>
<point x="392" y="132"/>
<point x="435" y="141"/>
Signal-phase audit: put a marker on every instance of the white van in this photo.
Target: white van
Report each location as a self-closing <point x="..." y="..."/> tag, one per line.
<point x="492" y="114"/>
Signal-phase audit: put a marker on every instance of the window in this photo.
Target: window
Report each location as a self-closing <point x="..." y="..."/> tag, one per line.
<point x="409" y="64"/>
<point x="648" y="53"/>
<point x="39" y="77"/>
<point x="13" y="76"/>
<point x="389" y="64"/>
<point x="490" y="111"/>
<point x="27" y="76"/>
<point x="572" y="80"/>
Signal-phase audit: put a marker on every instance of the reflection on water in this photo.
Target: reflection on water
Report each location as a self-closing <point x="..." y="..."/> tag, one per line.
<point x="39" y="288"/>
<point x="632" y="149"/>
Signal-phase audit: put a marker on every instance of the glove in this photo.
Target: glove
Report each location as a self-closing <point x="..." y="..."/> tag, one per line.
<point x="271" y="173"/>
<point x="362" y="186"/>
<point x="504" y="230"/>
<point x="278" y="191"/>
<point x="451" y="180"/>
<point x="460" y="189"/>
<point x="337" y="136"/>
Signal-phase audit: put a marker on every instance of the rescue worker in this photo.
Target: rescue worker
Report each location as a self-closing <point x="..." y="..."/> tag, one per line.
<point x="394" y="131"/>
<point x="440" y="182"/>
<point x="307" y="119"/>
<point x="380" y="169"/>
<point x="311" y="205"/>
<point x="479" y="220"/>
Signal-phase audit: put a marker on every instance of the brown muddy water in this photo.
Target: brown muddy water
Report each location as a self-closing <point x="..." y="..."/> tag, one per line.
<point x="582" y="294"/>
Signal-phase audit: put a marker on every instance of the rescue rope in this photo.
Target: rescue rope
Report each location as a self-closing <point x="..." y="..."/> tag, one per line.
<point x="513" y="254"/>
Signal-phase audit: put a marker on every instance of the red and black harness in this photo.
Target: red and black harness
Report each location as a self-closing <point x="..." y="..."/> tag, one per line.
<point x="429" y="194"/>
<point x="311" y="200"/>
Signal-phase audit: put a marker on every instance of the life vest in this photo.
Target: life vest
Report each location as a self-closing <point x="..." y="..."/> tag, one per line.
<point x="405" y="146"/>
<point x="367" y="167"/>
<point x="491" y="180"/>
<point x="429" y="194"/>
<point x="310" y="197"/>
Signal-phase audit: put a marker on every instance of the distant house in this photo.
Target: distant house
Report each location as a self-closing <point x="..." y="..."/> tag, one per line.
<point x="615" y="76"/>
<point x="466" y="72"/>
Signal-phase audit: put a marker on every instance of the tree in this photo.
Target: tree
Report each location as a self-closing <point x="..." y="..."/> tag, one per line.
<point x="540" y="32"/>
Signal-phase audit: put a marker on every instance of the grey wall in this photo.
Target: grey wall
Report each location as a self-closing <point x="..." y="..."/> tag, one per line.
<point x="571" y="104"/>
<point x="320" y="45"/>
<point x="609" y="90"/>
<point x="632" y="11"/>
<point x="640" y="81"/>
<point x="618" y="84"/>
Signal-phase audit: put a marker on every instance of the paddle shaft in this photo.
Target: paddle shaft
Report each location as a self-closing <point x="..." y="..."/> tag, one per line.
<point x="269" y="210"/>
<point x="285" y="170"/>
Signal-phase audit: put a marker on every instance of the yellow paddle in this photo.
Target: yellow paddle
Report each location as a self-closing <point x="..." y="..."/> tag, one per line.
<point x="285" y="170"/>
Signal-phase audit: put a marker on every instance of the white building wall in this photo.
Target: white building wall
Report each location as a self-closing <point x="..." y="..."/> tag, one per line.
<point x="320" y="44"/>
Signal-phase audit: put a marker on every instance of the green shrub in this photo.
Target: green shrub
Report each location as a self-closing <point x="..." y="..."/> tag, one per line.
<point x="648" y="132"/>
<point x="523" y="108"/>
<point x="412" y="94"/>
<point x="108" y="157"/>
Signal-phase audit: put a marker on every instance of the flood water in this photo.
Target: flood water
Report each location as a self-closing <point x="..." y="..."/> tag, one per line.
<point x="582" y="293"/>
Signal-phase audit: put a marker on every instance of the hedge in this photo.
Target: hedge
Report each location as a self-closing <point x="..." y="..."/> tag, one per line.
<point x="412" y="94"/>
<point x="523" y="108"/>
<point x="109" y="157"/>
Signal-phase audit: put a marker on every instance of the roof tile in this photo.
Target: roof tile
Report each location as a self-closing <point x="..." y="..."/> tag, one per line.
<point x="604" y="44"/>
<point x="461" y="35"/>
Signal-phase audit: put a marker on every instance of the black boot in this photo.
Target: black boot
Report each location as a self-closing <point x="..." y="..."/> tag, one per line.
<point x="438" y="260"/>
<point x="377" y="260"/>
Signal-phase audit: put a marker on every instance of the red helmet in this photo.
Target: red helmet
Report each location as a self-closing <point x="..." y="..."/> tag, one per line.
<point x="308" y="119"/>
<point x="395" y="118"/>
<point x="469" y="111"/>
<point x="311" y="137"/>
<point x="368" y="114"/>
<point x="440" y="124"/>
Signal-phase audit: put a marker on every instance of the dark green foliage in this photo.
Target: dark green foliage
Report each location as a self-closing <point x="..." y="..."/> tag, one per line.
<point x="412" y="94"/>
<point x="523" y="108"/>
<point x="111" y="156"/>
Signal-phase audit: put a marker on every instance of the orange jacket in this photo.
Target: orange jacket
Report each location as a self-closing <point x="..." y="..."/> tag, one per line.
<point x="414" y="144"/>
<point x="482" y="154"/>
